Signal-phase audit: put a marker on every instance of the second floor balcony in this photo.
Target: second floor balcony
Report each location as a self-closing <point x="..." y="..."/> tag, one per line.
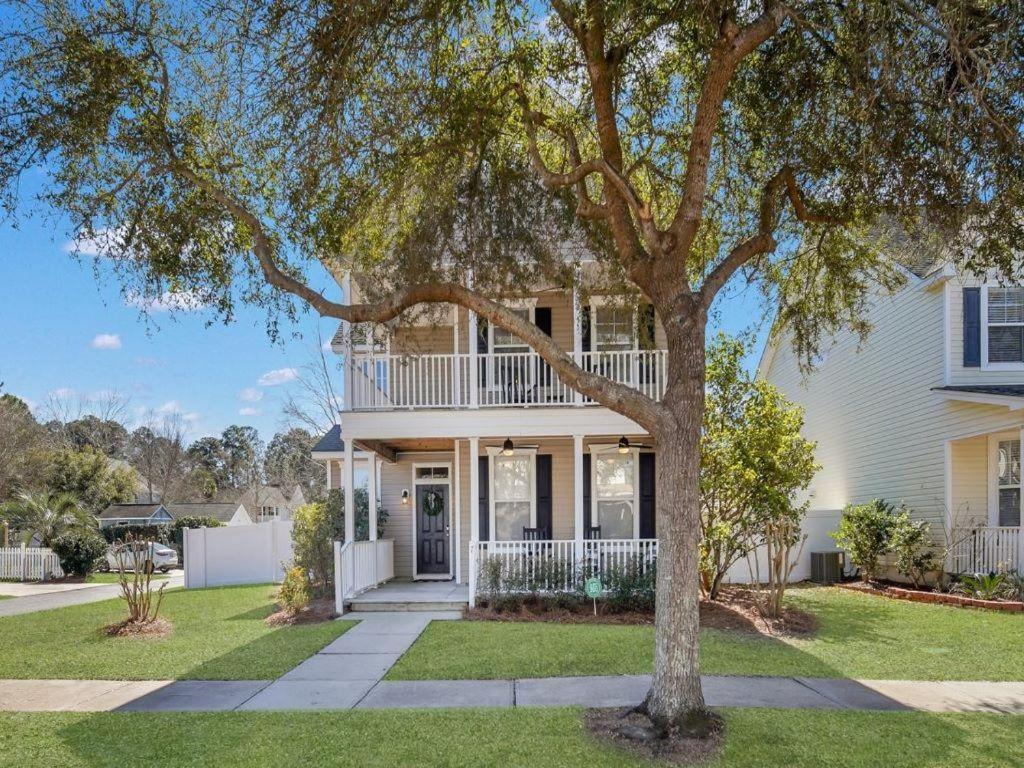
<point x="506" y="379"/>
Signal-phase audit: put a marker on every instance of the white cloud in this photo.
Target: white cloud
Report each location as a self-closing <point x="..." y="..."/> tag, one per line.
<point x="248" y="411"/>
<point x="250" y="395"/>
<point x="105" y="243"/>
<point x="278" y="376"/>
<point x="171" y="406"/>
<point x="63" y="393"/>
<point x="106" y="341"/>
<point x="168" y="301"/>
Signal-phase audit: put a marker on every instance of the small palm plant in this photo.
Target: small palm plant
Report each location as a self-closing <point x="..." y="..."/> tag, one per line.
<point x="46" y="515"/>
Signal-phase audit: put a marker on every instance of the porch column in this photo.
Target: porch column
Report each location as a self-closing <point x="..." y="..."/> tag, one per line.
<point x="577" y="494"/>
<point x="456" y="360"/>
<point x="474" y="374"/>
<point x="1019" y="565"/>
<point x="577" y="331"/>
<point x="474" y="512"/>
<point x="457" y="494"/>
<point x="347" y="383"/>
<point x="348" y="481"/>
<point x="330" y="465"/>
<point x="371" y="492"/>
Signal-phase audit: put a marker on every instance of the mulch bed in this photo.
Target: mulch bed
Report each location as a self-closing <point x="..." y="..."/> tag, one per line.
<point x="901" y="592"/>
<point x="150" y="630"/>
<point x="319" y="610"/>
<point x="632" y="732"/>
<point x="735" y="610"/>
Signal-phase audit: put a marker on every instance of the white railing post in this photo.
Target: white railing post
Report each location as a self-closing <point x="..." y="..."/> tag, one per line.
<point x="473" y="560"/>
<point x="339" y="593"/>
<point x="577" y="498"/>
<point x="577" y="331"/>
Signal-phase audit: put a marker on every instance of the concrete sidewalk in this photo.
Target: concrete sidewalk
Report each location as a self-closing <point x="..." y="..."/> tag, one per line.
<point x="617" y="691"/>
<point x="77" y="595"/>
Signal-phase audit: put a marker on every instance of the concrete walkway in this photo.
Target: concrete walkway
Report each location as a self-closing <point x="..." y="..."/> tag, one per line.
<point x="618" y="691"/>
<point x="75" y="594"/>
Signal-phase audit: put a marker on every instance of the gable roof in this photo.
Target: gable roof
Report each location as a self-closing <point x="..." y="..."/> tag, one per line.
<point x="131" y="511"/>
<point x="222" y="511"/>
<point x="330" y="442"/>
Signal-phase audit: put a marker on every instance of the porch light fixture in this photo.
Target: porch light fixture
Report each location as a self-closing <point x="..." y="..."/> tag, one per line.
<point x="623" y="444"/>
<point x="405" y="497"/>
<point x="507" y="448"/>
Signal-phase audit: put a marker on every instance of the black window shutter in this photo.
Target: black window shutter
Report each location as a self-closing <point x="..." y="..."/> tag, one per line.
<point x="542" y="319"/>
<point x="485" y="500"/>
<point x="972" y="327"/>
<point x="586" y="493"/>
<point x="648" y="529"/>
<point x="645" y="327"/>
<point x="585" y="329"/>
<point x="544" y="494"/>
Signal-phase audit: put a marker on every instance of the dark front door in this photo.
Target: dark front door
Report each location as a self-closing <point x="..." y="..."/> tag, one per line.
<point x="432" y="529"/>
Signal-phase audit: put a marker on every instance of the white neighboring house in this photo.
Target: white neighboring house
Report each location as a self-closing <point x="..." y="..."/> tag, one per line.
<point x="156" y="514"/>
<point x="479" y="452"/>
<point x="928" y="411"/>
<point x="271" y="502"/>
<point x="227" y="513"/>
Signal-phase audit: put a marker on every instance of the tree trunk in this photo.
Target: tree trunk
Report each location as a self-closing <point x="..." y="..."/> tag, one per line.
<point x="676" y="698"/>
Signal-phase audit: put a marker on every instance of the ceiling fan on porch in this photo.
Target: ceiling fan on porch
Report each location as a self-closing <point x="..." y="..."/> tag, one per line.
<point x="625" y="445"/>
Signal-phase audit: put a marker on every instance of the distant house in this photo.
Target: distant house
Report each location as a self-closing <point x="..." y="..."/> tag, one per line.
<point x="134" y="514"/>
<point x="146" y="492"/>
<point x="156" y="514"/>
<point x="272" y="502"/>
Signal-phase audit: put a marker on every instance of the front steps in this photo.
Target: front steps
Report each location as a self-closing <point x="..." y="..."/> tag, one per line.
<point x="412" y="596"/>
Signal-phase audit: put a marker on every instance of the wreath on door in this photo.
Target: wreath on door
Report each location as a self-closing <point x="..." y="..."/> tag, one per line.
<point x="433" y="503"/>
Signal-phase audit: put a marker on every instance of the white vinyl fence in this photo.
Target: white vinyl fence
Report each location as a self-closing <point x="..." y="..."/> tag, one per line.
<point x="29" y="564"/>
<point x="237" y="554"/>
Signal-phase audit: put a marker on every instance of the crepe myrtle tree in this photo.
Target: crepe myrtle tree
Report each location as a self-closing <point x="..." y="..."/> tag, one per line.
<point x="453" y="153"/>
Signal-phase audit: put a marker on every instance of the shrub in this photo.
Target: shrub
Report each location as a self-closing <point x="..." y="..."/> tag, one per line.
<point x="134" y="576"/>
<point x="177" y="534"/>
<point x="865" y="532"/>
<point x="985" y="586"/>
<point x="630" y="587"/>
<point x="336" y="508"/>
<point x="313" y="535"/>
<point x="294" y="592"/>
<point x="908" y="539"/>
<point x="78" y="551"/>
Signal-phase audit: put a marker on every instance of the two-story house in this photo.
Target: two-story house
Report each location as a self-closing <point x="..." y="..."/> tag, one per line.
<point x="929" y="410"/>
<point x="478" y="450"/>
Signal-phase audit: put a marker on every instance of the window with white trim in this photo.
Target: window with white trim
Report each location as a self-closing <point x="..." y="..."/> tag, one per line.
<point x="1008" y="482"/>
<point x="615" y="492"/>
<point x="1005" y="324"/>
<point x="505" y="341"/>
<point x="613" y="329"/>
<point x="513" y="496"/>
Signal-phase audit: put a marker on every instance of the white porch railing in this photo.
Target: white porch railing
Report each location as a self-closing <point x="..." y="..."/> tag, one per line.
<point x="387" y="382"/>
<point x="988" y="549"/>
<point x="359" y="566"/>
<point x="553" y="566"/>
<point x="29" y="564"/>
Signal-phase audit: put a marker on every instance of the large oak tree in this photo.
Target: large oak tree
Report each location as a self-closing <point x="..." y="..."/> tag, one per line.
<point x="453" y="152"/>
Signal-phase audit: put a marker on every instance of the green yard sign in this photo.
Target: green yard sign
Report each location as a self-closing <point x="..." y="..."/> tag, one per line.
<point x="593" y="587"/>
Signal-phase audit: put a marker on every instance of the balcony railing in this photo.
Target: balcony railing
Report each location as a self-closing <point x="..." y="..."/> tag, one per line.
<point x="988" y="549"/>
<point x="388" y="382"/>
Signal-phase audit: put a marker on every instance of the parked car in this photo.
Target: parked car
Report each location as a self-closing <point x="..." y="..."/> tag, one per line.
<point x="160" y="557"/>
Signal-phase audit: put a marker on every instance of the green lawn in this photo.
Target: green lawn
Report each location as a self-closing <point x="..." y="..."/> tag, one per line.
<point x="218" y="634"/>
<point x="860" y="636"/>
<point x="389" y="738"/>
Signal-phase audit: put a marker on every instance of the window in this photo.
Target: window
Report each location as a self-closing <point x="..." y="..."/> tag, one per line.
<point x="615" y="490"/>
<point x="431" y="473"/>
<point x="269" y="512"/>
<point x="503" y="341"/>
<point x="1008" y="482"/>
<point x="1005" y="325"/>
<point x="512" y="489"/>
<point x="613" y="329"/>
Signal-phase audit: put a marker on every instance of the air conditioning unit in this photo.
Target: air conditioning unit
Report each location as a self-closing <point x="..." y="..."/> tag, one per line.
<point x="827" y="567"/>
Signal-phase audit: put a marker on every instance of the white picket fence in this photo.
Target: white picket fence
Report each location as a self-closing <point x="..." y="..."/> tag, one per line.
<point x="988" y="549"/>
<point x="29" y="564"/>
<point x="359" y="566"/>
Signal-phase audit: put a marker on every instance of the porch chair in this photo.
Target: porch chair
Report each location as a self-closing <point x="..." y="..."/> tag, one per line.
<point x="535" y="534"/>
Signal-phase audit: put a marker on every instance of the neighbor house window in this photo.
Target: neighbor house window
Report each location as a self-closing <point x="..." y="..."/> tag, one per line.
<point x="513" y="492"/>
<point x="615" y="491"/>
<point x="1005" y="325"/>
<point x="1008" y="482"/>
<point x="613" y="329"/>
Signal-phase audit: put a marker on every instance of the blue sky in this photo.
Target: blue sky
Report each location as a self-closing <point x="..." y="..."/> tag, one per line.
<point x="67" y="333"/>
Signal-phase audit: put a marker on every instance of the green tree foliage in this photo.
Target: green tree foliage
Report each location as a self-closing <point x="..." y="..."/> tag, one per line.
<point x="361" y="497"/>
<point x="910" y="542"/>
<point x="106" y="436"/>
<point x="23" y="443"/>
<point x="865" y="532"/>
<point x="89" y="476"/>
<point x="753" y="462"/>
<point x="289" y="462"/>
<point x="44" y="516"/>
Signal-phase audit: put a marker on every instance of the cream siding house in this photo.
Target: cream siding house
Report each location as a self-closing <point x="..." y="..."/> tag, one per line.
<point x="480" y="453"/>
<point x="927" y="410"/>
